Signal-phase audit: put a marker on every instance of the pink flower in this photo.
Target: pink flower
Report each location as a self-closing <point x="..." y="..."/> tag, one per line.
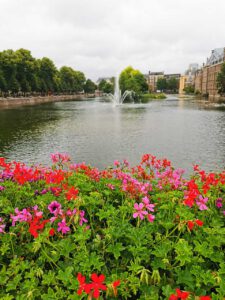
<point x="147" y="204"/>
<point x="140" y="213"/>
<point x="2" y="188"/>
<point x="111" y="186"/>
<point x="219" y="203"/>
<point x="82" y="219"/>
<point x="71" y="212"/>
<point x="2" y="227"/>
<point x="54" y="208"/>
<point x="21" y="216"/>
<point x="201" y="202"/>
<point x="63" y="227"/>
<point x="116" y="163"/>
<point x="151" y="217"/>
<point x="60" y="157"/>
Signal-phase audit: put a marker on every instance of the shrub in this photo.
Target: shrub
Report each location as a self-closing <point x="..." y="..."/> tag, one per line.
<point x="137" y="233"/>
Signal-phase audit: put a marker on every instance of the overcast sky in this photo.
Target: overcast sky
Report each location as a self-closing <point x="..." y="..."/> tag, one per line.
<point x="101" y="37"/>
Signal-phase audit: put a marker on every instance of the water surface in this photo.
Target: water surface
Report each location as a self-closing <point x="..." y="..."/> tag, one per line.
<point x="184" y="131"/>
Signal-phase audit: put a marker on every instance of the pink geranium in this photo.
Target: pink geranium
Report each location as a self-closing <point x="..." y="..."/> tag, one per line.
<point x="63" y="227"/>
<point x="140" y="212"/>
<point x="201" y="202"/>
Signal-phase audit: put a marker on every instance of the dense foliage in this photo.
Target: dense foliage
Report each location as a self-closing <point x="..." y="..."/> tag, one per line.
<point x="133" y="80"/>
<point x="22" y="74"/>
<point x="168" y="84"/>
<point x="71" y="231"/>
<point x="150" y="96"/>
<point x="106" y="86"/>
<point x="221" y="80"/>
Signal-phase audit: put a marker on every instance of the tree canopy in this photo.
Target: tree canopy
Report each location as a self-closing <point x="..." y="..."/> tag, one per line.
<point x="168" y="84"/>
<point x="106" y="86"/>
<point x="21" y="73"/>
<point x="132" y="80"/>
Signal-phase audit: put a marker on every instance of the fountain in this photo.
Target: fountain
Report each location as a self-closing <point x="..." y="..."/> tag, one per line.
<point x="118" y="98"/>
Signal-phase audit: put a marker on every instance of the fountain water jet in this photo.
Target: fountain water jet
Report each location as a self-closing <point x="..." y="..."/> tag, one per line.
<point x="118" y="98"/>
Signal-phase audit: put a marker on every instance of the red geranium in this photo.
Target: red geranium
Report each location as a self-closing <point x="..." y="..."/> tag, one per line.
<point x="179" y="295"/>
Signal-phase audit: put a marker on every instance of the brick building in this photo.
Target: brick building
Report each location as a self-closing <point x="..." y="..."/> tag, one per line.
<point x="152" y="80"/>
<point x="205" y="79"/>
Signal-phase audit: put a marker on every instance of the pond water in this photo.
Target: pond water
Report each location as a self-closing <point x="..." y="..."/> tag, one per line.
<point x="94" y="131"/>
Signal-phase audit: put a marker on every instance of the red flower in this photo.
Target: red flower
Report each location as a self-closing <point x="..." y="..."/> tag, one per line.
<point x="116" y="283"/>
<point x="83" y="284"/>
<point x="72" y="193"/>
<point x="182" y="295"/>
<point x="36" y="225"/>
<point x="96" y="285"/>
<point x="205" y="298"/>
<point x="179" y="295"/>
<point x="52" y="232"/>
<point x="199" y="222"/>
<point x="190" y="224"/>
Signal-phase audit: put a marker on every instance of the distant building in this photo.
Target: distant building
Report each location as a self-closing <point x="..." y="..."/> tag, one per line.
<point x="188" y="79"/>
<point x="152" y="80"/>
<point x="169" y="76"/>
<point x="205" y="79"/>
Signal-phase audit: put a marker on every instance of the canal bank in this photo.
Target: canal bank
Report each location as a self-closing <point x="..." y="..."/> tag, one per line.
<point x="15" y="102"/>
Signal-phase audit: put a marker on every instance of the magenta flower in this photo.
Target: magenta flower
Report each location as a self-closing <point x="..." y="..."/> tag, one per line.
<point x="151" y="217"/>
<point x="2" y="227"/>
<point x="54" y="208"/>
<point x="82" y="219"/>
<point x="111" y="186"/>
<point x="2" y="188"/>
<point x="140" y="213"/>
<point x="219" y="203"/>
<point x="201" y="202"/>
<point x="116" y="163"/>
<point x="63" y="227"/>
<point x="147" y="204"/>
<point x="21" y="216"/>
<point x="71" y="212"/>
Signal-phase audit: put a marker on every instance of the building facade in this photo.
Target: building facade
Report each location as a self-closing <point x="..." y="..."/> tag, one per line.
<point x="152" y="80"/>
<point x="188" y="79"/>
<point x="206" y="77"/>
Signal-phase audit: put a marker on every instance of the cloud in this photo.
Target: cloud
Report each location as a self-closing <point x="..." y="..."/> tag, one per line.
<point x="100" y="37"/>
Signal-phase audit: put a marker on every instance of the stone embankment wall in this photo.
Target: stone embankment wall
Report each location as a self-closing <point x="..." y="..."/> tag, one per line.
<point x="13" y="102"/>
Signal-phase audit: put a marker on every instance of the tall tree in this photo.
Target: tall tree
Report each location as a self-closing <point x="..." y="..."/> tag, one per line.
<point x="89" y="86"/>
<point x="133" y="80"/>
<point x="161" y="84"/>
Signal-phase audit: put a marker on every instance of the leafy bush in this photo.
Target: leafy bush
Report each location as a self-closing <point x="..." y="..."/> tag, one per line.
<point x="137" y="233"/>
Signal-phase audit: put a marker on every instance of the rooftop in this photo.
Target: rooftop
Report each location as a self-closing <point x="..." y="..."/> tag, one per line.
<point x="217" y="56"/>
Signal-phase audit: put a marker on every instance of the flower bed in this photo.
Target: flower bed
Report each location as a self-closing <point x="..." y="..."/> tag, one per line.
<point x="71" y="231"/>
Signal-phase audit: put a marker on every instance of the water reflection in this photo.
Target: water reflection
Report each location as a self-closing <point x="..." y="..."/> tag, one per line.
<point x="184" y="130"/>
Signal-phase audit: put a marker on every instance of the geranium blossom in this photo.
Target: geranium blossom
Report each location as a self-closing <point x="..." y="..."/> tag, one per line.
<point x="82" y="219"/>
<point x="147" y="204"/>
<point x="63" y="227"/>
<point x="201" y="202"/>
<point x="140" y="213"/>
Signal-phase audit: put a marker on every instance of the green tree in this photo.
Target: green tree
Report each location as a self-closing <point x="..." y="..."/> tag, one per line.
<point x="89" y="86"/>
<point x="173" y="84"/>
<point x="106" y="86"/>
<point x="47" y="73"/>
<point x="161" y="84"/>
<point x="221" y="80"/>
<point x="133" y="80"/>
<point x="189" y="89"/>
